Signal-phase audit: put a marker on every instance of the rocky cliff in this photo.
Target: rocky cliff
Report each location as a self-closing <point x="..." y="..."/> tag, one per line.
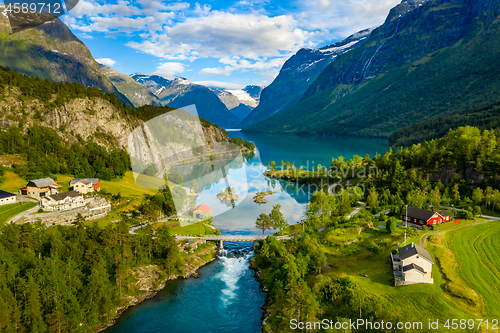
<point x="90" y="118"/>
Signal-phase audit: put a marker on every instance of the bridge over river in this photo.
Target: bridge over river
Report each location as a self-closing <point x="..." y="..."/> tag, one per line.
<point x="230" y="238"/>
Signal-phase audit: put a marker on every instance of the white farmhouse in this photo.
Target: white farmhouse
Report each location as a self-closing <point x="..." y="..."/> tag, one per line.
<point x="7" y="198"/>
<point x="85" y="185"/>
<point x="412" y="265"/>
<point x="62" y="201"/>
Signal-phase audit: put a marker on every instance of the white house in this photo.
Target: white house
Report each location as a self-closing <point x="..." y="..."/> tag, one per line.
<point x="412" y="265"/>
<point x="7" y="198"/>
<point x="62" y="201"/>
<point x="85" y="185"/>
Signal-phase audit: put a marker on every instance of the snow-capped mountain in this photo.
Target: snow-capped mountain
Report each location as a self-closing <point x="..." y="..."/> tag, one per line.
<point x="177" y="92"/>
<point x="297" y="74"/>
<point x="157" y="83"/>
<point x="249" y="96"/>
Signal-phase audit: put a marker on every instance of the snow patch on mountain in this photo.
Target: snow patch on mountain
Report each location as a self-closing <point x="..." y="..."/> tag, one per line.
<point x="243" y="96"/>
<point x="341" y="48"/>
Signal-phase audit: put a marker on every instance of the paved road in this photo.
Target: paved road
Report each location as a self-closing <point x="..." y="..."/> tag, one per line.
<point x="493" y="218"/>
<point x="23" y="214"/>
<point x="357" y="210"/>
<point x="384" y="211"/>
<point x="184" y="210"/>
<point x="354" y="212"/>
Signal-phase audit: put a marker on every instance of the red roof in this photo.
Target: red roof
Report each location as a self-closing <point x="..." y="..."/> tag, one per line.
<point x="203" y="208"/>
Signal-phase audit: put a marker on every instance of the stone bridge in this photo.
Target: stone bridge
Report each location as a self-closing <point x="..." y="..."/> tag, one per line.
<point x="230" y="238"/>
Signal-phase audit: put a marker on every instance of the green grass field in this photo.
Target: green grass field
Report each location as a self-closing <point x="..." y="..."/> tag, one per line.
<point x="478" y="260"/>
<point x="419" y="302"/>
<point x="194" y="229"/>
<point x="128" y="187"/>
<point x="8" y="211"/>
<point x="11" y="182"/>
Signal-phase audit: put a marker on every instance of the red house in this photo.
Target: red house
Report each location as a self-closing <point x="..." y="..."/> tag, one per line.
<point x="202" y="211"/>
<point x="419" y="217"/>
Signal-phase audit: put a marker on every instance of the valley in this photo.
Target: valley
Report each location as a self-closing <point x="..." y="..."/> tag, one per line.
<point x="246" y="167"/>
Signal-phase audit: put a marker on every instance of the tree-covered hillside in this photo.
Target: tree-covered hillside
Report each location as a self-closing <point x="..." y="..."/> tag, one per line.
<point x="71" y="279"/>
<point x="437" y="59"/>
<point x="51" y="51"/>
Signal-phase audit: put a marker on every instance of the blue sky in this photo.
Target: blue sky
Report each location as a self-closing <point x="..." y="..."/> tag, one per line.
<point x="234" y="42"/>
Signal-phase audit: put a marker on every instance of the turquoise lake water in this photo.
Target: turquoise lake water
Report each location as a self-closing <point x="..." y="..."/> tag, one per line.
<point x="226" y="297"/>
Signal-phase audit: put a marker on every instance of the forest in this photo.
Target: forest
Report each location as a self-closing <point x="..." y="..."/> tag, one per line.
<point x="458" y="170"/>
<point x="70" y="279"/>
<point x="46" y="154"/>
<point x="484" y="118"/>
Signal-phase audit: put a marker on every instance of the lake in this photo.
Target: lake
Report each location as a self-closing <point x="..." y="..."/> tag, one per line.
<point x="226" y="297"/>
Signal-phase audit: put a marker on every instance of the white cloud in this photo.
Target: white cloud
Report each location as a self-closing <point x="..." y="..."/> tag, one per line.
<point x="339" y="18"/>
<point x="221" y="34"/>
<point x="106" y="61"/>
<point x="235" y="63"/>
<point x="255" y="36"/>
<point x="170" y="68"/>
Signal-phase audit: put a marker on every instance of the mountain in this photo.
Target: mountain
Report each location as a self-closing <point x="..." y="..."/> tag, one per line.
<point x="229" y="100"/>
<point x="428" y="60"/>
<point x="250" y="96"/>
<point x="241" y="111"/>
<point x="240" y="102"/>
<point x="51" y="51"/>
<point x="138" y="94"/>
<point x="178" y="92"/>
<point x="297" y="74"/>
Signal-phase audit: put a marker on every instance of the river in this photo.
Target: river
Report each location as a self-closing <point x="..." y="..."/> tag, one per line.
<point x="226" y="297"/>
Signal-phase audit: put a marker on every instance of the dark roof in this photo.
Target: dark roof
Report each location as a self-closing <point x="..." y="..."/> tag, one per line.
<point x="421" y="214"/>
<point x="443" y="213"/>
<point x="4" y="194"/>
<point x="62" y="196"/>
<point x="413" y="266"/>
<point x="413" y="249"/>
<point x="94" y="181"/>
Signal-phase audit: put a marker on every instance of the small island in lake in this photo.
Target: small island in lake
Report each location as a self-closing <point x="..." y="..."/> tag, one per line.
<point x="228" y="195"/>
<point x="260" y="197"/>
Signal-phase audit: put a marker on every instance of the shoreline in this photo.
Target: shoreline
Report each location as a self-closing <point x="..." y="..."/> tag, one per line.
<point x="190" y="271"/>
<point x="267" y="302"/>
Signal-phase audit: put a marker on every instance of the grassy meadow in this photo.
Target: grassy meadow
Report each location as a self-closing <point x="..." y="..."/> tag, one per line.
<point x="11" y="182"/>
<point x="479" y="262"/>
<point x="11" y="210"/>
<point x="466" y="275"/>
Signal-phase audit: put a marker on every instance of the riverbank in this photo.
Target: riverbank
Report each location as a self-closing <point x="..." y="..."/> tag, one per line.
<point x="151" y="281"/>
<point x="268" y="301"/>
